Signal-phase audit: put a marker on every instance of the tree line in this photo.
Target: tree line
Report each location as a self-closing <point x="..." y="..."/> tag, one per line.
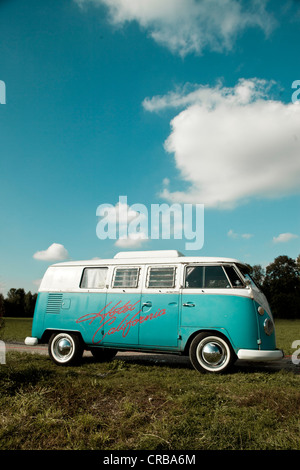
<point x="17" y="303"/>
<point x="279" y="281"/>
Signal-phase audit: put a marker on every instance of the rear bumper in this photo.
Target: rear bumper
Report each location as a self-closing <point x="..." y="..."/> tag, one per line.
<point x="259" y="355"/>
<point x="30" y="341"/>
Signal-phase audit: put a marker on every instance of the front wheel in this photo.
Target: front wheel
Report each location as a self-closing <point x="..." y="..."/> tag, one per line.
<point x="65" y="349"/>
<point x="211" y="353"/>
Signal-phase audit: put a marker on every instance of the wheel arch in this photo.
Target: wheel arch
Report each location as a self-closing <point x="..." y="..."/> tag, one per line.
<point x="49" y="332"/>
<point x="211" y="331"/>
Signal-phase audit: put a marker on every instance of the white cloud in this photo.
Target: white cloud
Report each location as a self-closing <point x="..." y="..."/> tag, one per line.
<point x="55" y="252"/>
<point x="247" y="235"/>
<point x="284" y="237"/>
<point x="232" y="234"/>
<point x="134" y="240"/>
<point x="245" y="92"/>
<point x="186" y="26"/>
<point x="232" y="144"/>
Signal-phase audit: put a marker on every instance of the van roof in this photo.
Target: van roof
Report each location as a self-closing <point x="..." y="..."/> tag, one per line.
<point x="144" y="257"/>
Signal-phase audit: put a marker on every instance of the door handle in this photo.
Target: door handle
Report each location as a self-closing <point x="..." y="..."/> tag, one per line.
<point x="147" y="304"/>
<point x="189" y="304"/>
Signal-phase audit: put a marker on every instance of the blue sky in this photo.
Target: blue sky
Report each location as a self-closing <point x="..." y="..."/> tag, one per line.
<point x="181" y="101"/>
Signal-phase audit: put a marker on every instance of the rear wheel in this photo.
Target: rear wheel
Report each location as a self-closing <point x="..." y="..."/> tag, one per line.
<point x="65" y="348"/>
<point x="211" y="353"/>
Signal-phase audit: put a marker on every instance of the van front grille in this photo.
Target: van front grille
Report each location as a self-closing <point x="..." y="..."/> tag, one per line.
<point x="54" y="303"/>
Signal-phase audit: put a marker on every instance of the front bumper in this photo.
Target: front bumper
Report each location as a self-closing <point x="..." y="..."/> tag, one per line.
<point x="260" y="355"/>
<point x="30" y="341"/>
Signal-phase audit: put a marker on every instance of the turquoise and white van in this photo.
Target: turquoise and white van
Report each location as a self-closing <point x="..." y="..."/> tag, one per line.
<point x="206" y="308"/>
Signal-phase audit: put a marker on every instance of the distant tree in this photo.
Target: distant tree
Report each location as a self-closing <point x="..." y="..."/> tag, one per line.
<point x="14" y="303"/>
<point x="282" y="287"/>
<point x="2" y="310"/>
<point x="29" y="304"/>
<point x="19" y="304"/>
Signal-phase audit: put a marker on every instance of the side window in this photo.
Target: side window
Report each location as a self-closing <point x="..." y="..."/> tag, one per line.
<point x="194" y="277"/>
<point x="215" y="278"/>
<point x="161" y="277"/>
<point x="94" y="278"/>
<point x="233" y="276"/>
<point x="126" y="277"/>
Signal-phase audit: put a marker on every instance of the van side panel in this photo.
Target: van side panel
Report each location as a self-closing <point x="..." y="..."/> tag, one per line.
<point x="125" y="321"/>
<point x="38" y="317"/>
<point x="230" y="314"/>
<point x="71" y="311"/>
<point x="132" y="325"/>
<point x="159" y="320"/>
<point x="117" y="322"/>
<point x="111" y="319"/>
<point x="57" y="311"/>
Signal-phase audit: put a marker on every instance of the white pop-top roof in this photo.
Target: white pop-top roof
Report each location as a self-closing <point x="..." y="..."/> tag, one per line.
<point x="144" y="257"/>
<point x="148" y="254"/>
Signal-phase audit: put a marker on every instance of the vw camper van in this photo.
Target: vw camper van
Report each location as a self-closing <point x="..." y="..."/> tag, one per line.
<point x="157" y="301"/>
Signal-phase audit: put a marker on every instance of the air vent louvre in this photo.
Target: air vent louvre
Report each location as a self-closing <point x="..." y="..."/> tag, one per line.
<point x="54" y="303"/>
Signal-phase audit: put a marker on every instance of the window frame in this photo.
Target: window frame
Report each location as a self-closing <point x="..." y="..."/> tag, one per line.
<point x="185" y="275"/>
<point x="203" y="277"/>
<point x="138" y="278"/>
<point x="243" y="285"/>
<point x="94" y="268"/>
<point x="148" y="273"/>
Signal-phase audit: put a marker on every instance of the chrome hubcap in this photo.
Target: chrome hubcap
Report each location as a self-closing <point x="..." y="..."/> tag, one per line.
<point x="212" y="354"/>
<point x="62" y="348"/>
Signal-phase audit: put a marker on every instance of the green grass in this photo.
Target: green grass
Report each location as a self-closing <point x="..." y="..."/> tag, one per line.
<point x="134" y="405"/>
<point x="287" y="331"/>
<point x="16" y="329"/>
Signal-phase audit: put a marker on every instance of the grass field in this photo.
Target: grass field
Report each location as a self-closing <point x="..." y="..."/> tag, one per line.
<point x="16" y="329"/>
<point x="134" y="406"/>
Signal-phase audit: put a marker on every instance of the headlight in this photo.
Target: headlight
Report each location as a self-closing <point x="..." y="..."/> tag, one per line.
<point x="268" y="326"/>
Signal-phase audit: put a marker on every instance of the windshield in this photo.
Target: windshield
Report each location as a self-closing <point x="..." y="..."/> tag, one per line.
<point x="249" y="278"/>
